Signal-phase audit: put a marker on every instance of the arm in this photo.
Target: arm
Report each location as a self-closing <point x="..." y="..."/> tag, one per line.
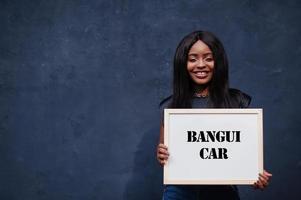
<point x="162" y="151"/>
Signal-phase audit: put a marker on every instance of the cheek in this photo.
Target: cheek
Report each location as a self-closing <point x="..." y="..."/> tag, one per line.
<point x="189" y="66"/>
<point x="211" y="65"/>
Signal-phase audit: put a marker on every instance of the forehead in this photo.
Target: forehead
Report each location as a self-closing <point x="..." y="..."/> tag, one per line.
<point x="199" y="48"/>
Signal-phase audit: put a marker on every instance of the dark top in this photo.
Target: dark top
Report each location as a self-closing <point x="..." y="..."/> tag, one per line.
<point x="238" y="99"/>
<point x="197" y="102"/>
<point x="241" y="100"/>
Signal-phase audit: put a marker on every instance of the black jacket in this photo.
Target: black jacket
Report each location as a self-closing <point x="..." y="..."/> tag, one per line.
<point x="238" y="99"/>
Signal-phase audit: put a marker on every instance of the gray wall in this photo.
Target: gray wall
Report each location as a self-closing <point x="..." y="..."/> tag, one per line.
<point x="80" y="83"/>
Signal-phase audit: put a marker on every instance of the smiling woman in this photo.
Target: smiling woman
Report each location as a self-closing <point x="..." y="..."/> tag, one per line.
<point x="201" y="81"/>
<point x="201" y="69"/>
<point x="200" y="64"/>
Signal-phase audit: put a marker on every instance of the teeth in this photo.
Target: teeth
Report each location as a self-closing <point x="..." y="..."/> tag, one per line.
<point x="201" y="73"/>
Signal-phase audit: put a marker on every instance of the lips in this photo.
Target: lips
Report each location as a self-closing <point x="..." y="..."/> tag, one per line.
<point x="201" y="74"/>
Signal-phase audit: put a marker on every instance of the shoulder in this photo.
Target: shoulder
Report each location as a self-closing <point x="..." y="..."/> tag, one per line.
<point x="241" y="99"/>
<point x="165" y="102"/>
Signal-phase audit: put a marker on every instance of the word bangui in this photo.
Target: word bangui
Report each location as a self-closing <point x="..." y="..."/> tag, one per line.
<point x="213" y="136"/>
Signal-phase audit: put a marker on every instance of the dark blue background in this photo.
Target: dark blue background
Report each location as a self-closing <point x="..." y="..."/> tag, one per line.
<point x="80" y="83"/>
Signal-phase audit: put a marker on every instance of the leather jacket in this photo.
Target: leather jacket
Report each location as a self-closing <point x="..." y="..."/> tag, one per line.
<point x="238" y="99"/>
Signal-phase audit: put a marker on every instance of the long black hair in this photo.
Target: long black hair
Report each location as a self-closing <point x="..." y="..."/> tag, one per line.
<point x="183" y="86"/>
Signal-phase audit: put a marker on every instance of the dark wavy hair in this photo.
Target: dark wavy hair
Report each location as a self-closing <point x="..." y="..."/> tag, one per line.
<point x="183" y="86"/>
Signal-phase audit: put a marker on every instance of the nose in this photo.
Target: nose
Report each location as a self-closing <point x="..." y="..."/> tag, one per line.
<point x="201" y="63"/>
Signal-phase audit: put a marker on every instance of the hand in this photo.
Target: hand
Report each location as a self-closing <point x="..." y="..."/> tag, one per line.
<point x="162" y="154"/>
<point x="263" y="180"/>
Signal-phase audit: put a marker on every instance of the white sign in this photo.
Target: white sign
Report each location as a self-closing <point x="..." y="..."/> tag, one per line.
<point x="213" y="146"/>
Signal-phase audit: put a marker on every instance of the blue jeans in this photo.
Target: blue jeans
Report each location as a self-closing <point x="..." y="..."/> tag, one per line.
<point x="200" y="192"/>
<point x="180" y="192"/>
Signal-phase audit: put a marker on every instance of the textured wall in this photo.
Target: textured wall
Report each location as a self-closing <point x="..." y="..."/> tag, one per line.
<point x="80" y="83"/>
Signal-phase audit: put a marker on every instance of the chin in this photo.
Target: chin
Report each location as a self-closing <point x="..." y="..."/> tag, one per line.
<point x="201" y="81"/>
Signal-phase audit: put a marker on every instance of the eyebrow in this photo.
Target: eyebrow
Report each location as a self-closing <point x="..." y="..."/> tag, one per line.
<point x="195" y="54"/>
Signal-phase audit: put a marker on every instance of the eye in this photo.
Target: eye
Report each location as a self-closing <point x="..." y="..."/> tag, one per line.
<point x="192" y="60"/>
<point x="209" y="59"/>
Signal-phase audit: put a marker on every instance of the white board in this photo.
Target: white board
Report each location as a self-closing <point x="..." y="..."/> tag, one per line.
<point x="244" y="155"/>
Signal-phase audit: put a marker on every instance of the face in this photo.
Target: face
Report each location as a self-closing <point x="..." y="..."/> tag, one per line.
<point x="200" y="63"/>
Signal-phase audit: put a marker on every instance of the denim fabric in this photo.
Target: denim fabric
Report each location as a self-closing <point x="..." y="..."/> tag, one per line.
<point x="200" y="192"/>
<point x="180" y="192"/>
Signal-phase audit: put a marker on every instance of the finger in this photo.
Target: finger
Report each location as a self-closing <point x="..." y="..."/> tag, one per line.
<point x="260" y="185"/>
<point x="257" y="185"/>
<point x="267" y="173"/>
<point x="162" y="146"/>
<point x="266" y="178"/>
<point x="263" y="181"/>
<point x="163" y="151"/>
<point x="163" y="162"/>
<point x="162" y="156"/>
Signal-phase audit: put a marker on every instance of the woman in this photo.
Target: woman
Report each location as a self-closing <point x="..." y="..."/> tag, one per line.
<point x="200" y="80"/>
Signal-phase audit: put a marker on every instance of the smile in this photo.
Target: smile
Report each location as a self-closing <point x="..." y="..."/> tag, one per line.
<point x="201" y="74"/>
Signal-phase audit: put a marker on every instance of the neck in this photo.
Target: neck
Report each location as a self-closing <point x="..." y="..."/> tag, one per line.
<point x="201" y="90"/>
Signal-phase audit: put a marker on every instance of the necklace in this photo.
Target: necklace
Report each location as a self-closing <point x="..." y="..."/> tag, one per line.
<point x="201" y="95"/>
